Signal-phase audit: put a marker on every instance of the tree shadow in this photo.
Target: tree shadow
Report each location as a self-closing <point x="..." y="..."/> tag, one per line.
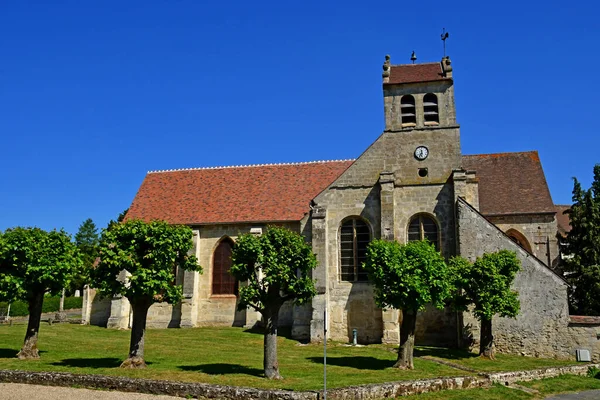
<point x="106" y="362"/>
<point x="358" y="362"/>
<point x="282" y="331"/>
<point x="441" y="352"/>
<point x="222" y="369"/>
<point x="8" y="353"/>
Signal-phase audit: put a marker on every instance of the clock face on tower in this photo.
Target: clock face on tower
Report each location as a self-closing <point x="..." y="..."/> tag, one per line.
<point x="421" y="153"/>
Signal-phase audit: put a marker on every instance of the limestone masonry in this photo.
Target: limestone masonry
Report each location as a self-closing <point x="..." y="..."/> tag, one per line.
<point x="411" y="183"/>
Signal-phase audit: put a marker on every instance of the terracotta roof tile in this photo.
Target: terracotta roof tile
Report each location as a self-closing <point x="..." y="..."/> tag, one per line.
<point x="510" y="183"/>
<point x="562" y="220"/>
<point x="280" y="192"/>
<point x="411" y="73"/>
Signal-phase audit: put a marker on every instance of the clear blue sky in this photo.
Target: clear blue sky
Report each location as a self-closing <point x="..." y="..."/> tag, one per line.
<point x="94" y="94"/>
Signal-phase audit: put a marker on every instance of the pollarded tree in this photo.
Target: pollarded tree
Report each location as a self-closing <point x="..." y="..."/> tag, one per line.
<point x="34" y="262"/>
<point x="277" y="266"/>
<point x="485" y="284"/>
<point x="407" y="277"/>
<point x="140" y="260"/>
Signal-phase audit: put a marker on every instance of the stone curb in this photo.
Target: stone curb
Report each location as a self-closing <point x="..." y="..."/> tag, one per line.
<point x="207" y="391"/>
<point x="507" y="378"/>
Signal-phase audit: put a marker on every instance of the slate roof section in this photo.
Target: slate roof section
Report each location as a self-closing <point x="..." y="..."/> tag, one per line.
<point x="412" y="73"/>
<point x="261" y="193"/>
<point x="510" y="183"/>
<point x="562" y="220"/>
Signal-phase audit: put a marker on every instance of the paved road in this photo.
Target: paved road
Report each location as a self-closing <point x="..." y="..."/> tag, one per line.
<point x="18" y="391"/>
<point x="588" y="395"/>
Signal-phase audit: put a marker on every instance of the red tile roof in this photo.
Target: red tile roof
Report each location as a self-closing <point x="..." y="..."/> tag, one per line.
<point x="234" y="194"/>
<point x="562" y="220"/>
<point x="411" y="73"/>
<point x="510" y="183"/>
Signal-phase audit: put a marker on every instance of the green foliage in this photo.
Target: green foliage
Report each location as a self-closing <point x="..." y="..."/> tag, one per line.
<point x="407" y="276"/>
<point x="120" y="219"/>
<point x="34" y="261"/>
<point x="87" y="240"/>
<point x="140" y="260"/>
<point x="277" y="266"/>
<point x="20" y="308"/>
<point x="593" y="372"/>
<point x="583" y="247"/>
<point x="486" y="284"/>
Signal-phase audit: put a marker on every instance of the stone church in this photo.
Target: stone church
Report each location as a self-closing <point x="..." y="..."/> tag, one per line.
<point x="411" y="183"/>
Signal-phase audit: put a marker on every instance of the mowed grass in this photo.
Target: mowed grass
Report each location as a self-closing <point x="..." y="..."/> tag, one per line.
<point x="545" y="387"/>
<point x="232" y="356"/>
<point x="503" y="362"/>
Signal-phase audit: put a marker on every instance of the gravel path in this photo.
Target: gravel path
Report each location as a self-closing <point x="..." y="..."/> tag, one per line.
<point x="18" y="391"/>
<point x="588" y="395"/>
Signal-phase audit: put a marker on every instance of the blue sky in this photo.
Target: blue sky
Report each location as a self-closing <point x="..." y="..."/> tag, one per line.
<point x="95" y="94"/>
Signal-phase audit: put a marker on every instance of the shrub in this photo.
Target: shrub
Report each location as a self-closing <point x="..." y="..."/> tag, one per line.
<point x="593" y="372"/>
<point x="19" y="308"/>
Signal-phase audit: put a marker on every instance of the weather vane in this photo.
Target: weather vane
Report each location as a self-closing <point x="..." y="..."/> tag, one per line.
<point x="444" y="37"/>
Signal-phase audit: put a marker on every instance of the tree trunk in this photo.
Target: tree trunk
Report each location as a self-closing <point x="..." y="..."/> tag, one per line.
<point x="270" y="363"/>
<point x="138" y="331"/>
<point x="30" y="350"/>
<point x="407" y="340"/>
<point x="486" y="340"/>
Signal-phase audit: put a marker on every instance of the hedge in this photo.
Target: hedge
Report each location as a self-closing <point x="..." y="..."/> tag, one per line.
<point x="20" y="309"/>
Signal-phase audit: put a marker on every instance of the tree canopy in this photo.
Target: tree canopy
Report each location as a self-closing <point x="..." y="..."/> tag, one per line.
<point x="34" y="262"/>
<point x="140" y="261"/>
<point x="407" y="277"/>
<point x="583" y="247"/>
<point x="486" y="285"/>
<point x="277" y="266"/>
<point x="87" y="240"/>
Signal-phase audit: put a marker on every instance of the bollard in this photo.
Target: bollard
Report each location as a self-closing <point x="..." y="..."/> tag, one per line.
<point x="354" y="336"/>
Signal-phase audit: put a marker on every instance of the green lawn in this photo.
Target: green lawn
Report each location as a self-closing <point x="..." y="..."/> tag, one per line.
<point x="546" y="387"/>
<point x="503" y="362"/>
<point x="230" y="356"/>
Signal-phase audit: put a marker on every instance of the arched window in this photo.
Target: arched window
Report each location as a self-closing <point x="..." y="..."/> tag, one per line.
<point x="408" y="111"/>
<point x="424" y="227"/>
<point x="519" y="239"/>
<point x="430" y="109"/>
<point x="355" y="235"/>
<point x="222" y="281"/>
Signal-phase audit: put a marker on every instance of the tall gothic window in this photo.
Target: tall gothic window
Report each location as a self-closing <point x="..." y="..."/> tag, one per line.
<point x="355" y="235"/>
<point x="424" y="227"/>
<point x="407" y="110"/>
<point x="430" y="109"/>
<point x="222" y="281"/>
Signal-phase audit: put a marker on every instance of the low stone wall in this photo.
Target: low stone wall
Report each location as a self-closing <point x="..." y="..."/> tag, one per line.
<point x="170" y="388"/>
<point x="507" y="378"/>
<point x="205" y="391"/>
<point x="406" y="388"/>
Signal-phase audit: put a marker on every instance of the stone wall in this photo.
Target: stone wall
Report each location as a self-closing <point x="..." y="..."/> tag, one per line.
<point x="392" y="95"/>
<point x="539" y="231"/>
<point x="543" y="327"/>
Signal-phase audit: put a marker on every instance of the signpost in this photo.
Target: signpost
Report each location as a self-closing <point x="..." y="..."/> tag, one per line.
<point x="325" y="355"/>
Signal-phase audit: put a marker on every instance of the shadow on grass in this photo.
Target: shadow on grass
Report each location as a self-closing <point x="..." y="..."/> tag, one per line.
<point x="358" y="362"/>
<point x="285" y="331"/>
<point x="444" y="353"/>
<point x="107" y="362"/>
<point x="222" y="369"/>
<point x="8" y="353"/>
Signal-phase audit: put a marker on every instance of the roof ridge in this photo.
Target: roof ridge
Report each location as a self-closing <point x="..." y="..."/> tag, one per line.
<point x="416" y="65"/>
<point x="500" y="154"/>
<point x="249" y="166"/>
